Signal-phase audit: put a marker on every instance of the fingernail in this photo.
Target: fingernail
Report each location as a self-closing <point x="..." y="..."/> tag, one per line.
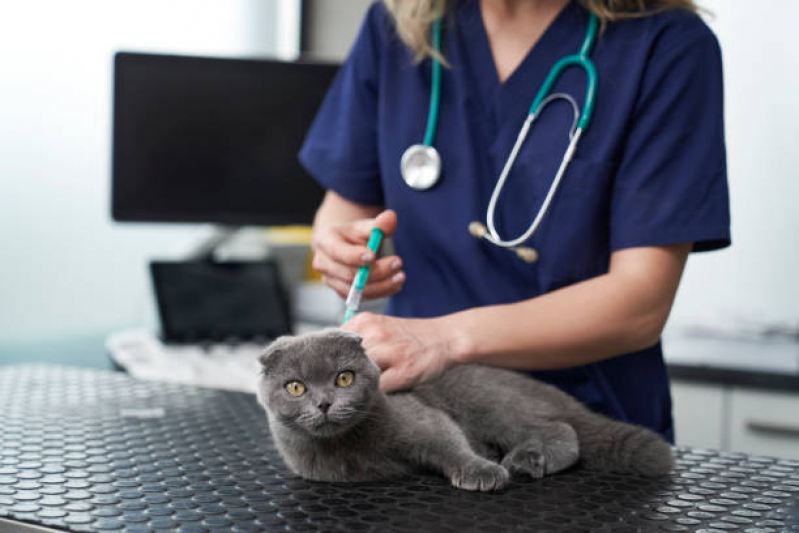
<point x="367" y="257"/>
<point x="395" y="264"/>
<point x="398" y="277"/>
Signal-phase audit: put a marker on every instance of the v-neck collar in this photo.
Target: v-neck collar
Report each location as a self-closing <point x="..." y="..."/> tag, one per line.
<point x="562" y="37"/>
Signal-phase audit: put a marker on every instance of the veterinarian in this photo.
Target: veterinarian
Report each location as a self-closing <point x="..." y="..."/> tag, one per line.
<point x="582" y="301"/>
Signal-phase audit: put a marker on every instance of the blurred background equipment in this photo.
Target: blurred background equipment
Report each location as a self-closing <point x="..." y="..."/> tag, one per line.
<point x="214" y="140"/>
<point x="206" y="301"/>
<point x="215" y="320"/>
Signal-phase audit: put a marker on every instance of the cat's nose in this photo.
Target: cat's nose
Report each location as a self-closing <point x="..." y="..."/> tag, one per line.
<point x="324" y="406"/>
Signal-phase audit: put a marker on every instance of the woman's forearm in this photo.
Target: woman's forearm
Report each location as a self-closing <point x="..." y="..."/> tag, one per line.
<point x="620" y="312"/>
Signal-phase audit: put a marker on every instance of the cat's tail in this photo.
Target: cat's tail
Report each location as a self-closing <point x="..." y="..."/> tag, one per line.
<point x="611" y="445"/>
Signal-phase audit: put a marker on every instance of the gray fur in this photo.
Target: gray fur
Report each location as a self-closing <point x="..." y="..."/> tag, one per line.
<point x="476" y="425"/>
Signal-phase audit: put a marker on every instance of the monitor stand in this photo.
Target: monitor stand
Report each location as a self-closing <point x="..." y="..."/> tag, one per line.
<point x="205" y="250"/>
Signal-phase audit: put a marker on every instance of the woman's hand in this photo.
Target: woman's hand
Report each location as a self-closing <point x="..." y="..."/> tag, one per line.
<point x="340" y="249"/>
<point x="407" y="351"/>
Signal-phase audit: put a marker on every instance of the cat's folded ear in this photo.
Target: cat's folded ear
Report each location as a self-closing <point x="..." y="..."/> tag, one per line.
<point x="269" y="359"/>
<point x="347" y="336"/>
<point x="273" y="354"/>
<point x="343" y="338"/>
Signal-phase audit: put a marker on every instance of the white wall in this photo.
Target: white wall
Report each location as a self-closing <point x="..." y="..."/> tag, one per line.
<point x="65" y="268"/>
<point x="330" y="26"/>
<point x="756" y="279"/>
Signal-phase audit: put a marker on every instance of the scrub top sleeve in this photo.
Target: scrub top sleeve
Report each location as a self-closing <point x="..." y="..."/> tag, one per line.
<point x="671" y="184"/>
<point x="340" y="149"/>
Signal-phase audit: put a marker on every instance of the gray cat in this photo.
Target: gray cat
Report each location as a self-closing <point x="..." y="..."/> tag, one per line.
<point x="476" y="425"/>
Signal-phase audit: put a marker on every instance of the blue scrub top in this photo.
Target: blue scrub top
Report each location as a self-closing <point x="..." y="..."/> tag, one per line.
<point x="649" y="171"/>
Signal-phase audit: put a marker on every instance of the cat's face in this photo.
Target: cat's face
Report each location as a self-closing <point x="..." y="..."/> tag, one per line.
<point x="321" y="383"/>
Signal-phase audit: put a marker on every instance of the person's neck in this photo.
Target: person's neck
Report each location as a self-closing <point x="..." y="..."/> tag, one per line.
<point x="515" y="9"/>
<point x="514" y="27"/>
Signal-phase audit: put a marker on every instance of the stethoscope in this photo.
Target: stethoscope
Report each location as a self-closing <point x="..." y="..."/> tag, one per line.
<point x="421" y="163"/>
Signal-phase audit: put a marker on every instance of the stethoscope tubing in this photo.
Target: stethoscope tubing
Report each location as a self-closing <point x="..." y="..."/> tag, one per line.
<point x="582" y="120"/>
<point x="493" y="236"/>
<point x="435" y="91"/>
<point x="582" y="60"/>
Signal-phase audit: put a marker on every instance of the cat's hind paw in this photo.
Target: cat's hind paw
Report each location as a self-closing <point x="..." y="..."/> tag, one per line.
<point x="481" y="475"/>
<point x="525" y="460"/>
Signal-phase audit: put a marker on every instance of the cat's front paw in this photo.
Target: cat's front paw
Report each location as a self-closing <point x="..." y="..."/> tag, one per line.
<point x="481" y="475"/>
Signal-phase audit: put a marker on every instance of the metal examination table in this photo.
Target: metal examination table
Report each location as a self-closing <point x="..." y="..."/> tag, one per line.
<point x="87" y="450"/>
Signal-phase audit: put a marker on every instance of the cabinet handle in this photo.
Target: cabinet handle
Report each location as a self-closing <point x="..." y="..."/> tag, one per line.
<point x="773" y="428"/>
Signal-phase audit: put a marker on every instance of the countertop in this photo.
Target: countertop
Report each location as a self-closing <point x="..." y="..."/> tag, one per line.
<point x="90" y="450"/>
<point x="771" y="364"/>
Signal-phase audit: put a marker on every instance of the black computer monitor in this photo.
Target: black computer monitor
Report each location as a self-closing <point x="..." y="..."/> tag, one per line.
<point x="214" y="140"/>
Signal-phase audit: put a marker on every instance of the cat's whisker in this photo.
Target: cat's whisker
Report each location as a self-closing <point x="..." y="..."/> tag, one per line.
<point x="361" y="415"/>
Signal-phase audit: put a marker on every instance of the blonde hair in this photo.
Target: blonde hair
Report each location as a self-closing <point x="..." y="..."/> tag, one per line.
<point x="413" y="18"/>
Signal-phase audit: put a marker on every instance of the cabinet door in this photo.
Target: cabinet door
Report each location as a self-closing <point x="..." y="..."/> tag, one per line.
<point x="699" y="415"/>
<point x="765" y="423"/>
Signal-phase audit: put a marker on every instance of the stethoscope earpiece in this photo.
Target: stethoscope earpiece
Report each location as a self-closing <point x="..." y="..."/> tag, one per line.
<point x="526" y="254"/>
<point x="478" y="230"/>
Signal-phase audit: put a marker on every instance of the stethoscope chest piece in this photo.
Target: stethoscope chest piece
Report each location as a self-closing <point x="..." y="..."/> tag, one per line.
<point x="420" y="166"/>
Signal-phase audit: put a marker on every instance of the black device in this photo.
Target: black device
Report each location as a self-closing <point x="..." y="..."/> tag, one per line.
<point x="205" y="301"/>
<point x="214" y="140"/>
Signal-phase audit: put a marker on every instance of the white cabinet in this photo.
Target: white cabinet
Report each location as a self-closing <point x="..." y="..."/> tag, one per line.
<point x="738" y="419"/>
<point x="764" y="423"/>
<point x="699" y="419"/>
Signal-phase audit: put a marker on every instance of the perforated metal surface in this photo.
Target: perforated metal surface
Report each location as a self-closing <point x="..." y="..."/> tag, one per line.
<point x="191" y="459"/>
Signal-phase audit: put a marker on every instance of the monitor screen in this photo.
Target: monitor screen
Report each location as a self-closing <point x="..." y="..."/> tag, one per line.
<point x="214" y="140"/>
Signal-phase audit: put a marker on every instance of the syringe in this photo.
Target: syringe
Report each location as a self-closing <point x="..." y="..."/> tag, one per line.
<point x="356" y="290"/>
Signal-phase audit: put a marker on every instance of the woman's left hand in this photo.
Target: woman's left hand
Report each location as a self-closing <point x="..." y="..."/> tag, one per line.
<point x="407" y="351"/>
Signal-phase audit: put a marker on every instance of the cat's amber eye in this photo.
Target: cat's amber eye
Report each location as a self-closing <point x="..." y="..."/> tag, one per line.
<point x="345" y="379"/>
<point x="295" y="388"/>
